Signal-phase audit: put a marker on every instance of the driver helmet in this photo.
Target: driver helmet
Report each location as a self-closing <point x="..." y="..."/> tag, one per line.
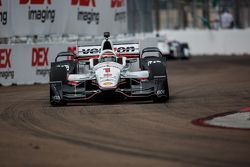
<point x="108" y="57"/>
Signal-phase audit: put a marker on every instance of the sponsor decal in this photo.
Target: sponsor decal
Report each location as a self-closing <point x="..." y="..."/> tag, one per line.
<point x="107" y="75"/>
<point x="89" y="16"/>
<point x="40" y="61"/>
<point x="107" y="70"/>
<point x="66" y="66"/>
<point x="98" y="50"/>
<point x="123" y="49"/>
<point x="153" y="62"/>
<point x="5" y="63"/>
<point x="43" y="15"/>
<point x="3" y="15"/>
<point x="43" y="72"/>
<point x="119" y="15"/>
<point x="107" y="83"/>
<point x="160" y="92"/>
<point x="7" y="74"/>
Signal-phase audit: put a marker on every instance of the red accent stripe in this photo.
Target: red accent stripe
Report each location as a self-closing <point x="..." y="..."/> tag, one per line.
<point x="118" y="55"/>
<point x="73" y="83"/>
<point x="246" y="109"/>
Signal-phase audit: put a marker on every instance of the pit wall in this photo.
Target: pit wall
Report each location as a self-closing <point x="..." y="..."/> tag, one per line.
<point x="30" y="63"/>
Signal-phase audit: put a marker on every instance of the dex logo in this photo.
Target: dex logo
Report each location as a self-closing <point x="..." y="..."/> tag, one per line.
<point x="34" y="2"/>
<point x="35" y="14"/>
<point x="117" y="3"/>
<point x="40" y="57"/>
<point x="5" y="58"/>
<point x="83" y="2"/>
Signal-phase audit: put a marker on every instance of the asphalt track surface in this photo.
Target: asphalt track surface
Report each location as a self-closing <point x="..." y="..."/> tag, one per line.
<point x="32" y="133"/>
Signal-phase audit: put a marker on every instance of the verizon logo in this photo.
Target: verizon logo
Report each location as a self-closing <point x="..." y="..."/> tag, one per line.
<point x="118" y="50"/>
<point x="42" y="15"/>
<point x="3" y="16"/>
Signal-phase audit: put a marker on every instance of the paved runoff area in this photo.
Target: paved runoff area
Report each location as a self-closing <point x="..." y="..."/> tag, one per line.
<point x="211" y="89"/>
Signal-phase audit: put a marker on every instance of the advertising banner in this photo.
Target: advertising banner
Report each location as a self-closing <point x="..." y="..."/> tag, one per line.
<point x="43" y="17"/>
<point x="5" y="26"/>
<point x="28" y="64"/>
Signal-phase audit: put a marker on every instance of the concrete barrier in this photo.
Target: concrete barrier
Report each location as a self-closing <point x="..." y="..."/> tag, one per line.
<point x="213" y="42"/>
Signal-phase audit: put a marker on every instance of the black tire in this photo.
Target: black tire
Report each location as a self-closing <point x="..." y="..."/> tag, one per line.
<point x="183" y="47"/>
<point x="53" y="103"/>
<point x="159" y="69"/>
<point x="57" y="74"/>
<point x="162" y="99"/>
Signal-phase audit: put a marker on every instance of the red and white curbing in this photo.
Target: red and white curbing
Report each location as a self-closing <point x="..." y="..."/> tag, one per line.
<point x="229" y="120"/>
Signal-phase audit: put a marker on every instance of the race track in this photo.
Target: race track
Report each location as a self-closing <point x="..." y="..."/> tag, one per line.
<point x="32" y="133"/>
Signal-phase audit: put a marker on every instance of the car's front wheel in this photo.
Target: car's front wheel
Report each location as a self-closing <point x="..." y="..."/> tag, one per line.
<point x="158" y="75"/>
<point x="58" y="76"/>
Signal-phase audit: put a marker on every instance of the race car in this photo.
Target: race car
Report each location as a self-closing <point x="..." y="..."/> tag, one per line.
<point x="173" y="49"/>
<point x="105" y="72"/>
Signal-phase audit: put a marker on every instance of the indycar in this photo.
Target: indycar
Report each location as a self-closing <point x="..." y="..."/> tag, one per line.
<point x="106" y="72"/>
<point x="173" y="49"/>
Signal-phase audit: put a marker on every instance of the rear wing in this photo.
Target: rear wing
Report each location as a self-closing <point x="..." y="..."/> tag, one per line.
<point x="129" y="50"/>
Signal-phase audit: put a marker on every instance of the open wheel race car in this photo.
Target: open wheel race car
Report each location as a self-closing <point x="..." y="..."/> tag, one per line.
<point x="106" y="72"/>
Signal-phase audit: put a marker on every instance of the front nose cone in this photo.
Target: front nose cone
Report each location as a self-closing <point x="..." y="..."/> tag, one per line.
<point x="108" y="85"/>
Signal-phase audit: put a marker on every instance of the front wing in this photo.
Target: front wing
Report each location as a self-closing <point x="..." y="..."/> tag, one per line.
<point x="89" y="89"/>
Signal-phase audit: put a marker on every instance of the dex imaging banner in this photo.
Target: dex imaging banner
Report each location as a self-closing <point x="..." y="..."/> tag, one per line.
<point x="30" y="17"/>
<point x="5" y="28"/>
<point x="83" y="17"/>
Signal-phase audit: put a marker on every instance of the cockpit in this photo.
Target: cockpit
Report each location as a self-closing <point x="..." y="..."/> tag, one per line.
<point x="108" y="58"/>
